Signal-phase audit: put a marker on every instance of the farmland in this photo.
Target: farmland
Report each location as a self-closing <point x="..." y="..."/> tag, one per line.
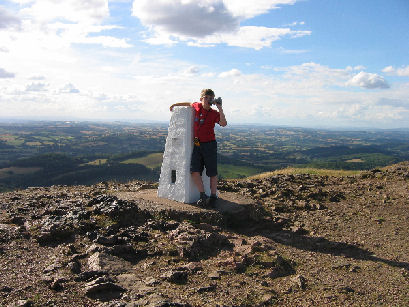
<point x="46" y="153"/>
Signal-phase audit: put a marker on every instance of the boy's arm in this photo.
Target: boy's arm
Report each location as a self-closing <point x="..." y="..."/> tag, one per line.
<point x="222" y="121"/>
<point x="180" y="104"/>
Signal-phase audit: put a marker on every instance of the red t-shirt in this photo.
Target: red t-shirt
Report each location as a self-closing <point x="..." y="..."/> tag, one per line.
<point x="204" y="121"/>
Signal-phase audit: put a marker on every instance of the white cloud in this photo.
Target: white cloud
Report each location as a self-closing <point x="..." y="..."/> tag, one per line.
<point x="368" y="80"/>
<point x="37" y="78"/>
<point x="184" y="17"/>
<point x="231" y="73"/>
<point x="69" y="89"/>
<point x="7" y="20"/>
<point x="91" y="11"/>
<point x="206" y="23"/>
<point x="192" y="70"/>
<point x="295" y="23"/>
<point x="36" y="87"/>
<point x="401" y="72"/>
<point x="251" y="37"/>
<point x="5" y="74"/>
<point x="248" y="9"/>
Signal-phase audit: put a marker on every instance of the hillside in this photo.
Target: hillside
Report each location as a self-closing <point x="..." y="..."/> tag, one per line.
<point x="279" y="240"/>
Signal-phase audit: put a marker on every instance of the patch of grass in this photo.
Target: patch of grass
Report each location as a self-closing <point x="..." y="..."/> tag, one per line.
<point x="151" y="161"/>
<point x="229" y="171"/>
<point x="311" y="171"/>
<point x="355" y="161"/>
<point x="97" y="162"/>
<point x="11" y="171"/>
<point x="104" y="221"/>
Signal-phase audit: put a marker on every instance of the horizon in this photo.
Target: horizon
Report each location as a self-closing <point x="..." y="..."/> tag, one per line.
<point x="297" y="63"/>
<point x="166" y="123"/>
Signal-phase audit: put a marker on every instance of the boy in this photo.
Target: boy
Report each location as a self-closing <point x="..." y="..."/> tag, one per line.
<point x="205" y="146"/>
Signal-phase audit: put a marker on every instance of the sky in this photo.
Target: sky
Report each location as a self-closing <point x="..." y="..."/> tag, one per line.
<point x="303" y="63"/>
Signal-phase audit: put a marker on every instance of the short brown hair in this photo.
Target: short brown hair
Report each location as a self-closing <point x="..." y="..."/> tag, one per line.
<point x="206" y="91"/>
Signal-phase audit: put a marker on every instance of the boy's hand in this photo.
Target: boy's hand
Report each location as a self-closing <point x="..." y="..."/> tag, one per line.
<point x="218" y="103"/>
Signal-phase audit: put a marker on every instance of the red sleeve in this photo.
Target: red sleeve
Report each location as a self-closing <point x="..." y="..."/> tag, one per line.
<point x="196" y="106"/>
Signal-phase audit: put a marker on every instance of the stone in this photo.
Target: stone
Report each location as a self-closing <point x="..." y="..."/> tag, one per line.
<point x="194" y="243"/>
<point x="177" y="277"/>
<point x="214" y="275"/>
<point x="209" y="288"/>
<point x="175" y="181"/>
<point x="103" y="290"/>
<point x="57" y="283"/>
<point x="74" y="267"/>
<point x="24" y="303"/>
<point x="6" y="289"/>
<point x="90" y="275"/>
<point x="299" y="281"/>
<point x="150" y="281"/>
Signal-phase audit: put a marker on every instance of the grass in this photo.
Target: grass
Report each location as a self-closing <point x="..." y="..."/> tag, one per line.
<point x="310" y="171"/>
<point x="230" y="171"/>
<point x="97" y="162"/>
<point x="11" y="171"/>
<point x="151" y="161"/>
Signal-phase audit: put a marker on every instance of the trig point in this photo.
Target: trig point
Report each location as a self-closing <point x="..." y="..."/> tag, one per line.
<point x="175" y="181"/>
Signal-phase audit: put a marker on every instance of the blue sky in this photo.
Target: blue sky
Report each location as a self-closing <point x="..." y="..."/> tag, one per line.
<point x="311" y="63"/>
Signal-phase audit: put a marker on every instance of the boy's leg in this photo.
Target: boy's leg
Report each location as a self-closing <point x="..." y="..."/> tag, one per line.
<point x="197" y="179"/>
<point x="196" y="169"/>
<point x="213" y="185"/>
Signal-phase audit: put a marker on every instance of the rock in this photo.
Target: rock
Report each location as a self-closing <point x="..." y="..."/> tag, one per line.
<point x="209" y="288"/>
<point x="90" y="275"/>
<point x="193" y="267"/>
<point x="23" y="303"/>
<point x="177" y="277"/>
<point x="214" y="275"/>
<point x="280" y="268"/>
<point x="103" y="289"/>
<point x="57" y="283"/>
<point x="150" y="281"/>
<point x="107" y="240"/>
<point x="267" y="299"/>
<point x="53" y="229"/>
<point x="299" y="282"/>
<point x="127" y="252"/>
<point x="345" y="289"/>
<point x="6" y="289"/>
<point x="74" y="267"/>
<point x="98" y="261"/>
<point x="194" y="243"/>
<point x="124" y="213"/>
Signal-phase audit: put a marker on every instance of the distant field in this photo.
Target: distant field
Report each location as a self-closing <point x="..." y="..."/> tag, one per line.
<point x="151" y="161"/>
<point x="97" y="162"/>
<point x="355" y="161"/>
<point x="229" y="171"/>
<point x="11" y="171"/>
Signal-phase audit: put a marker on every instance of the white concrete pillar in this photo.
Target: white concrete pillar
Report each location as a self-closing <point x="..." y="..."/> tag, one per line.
<point x="175" y="181"/>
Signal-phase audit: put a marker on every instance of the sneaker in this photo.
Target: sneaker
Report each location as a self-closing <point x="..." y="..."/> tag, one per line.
<point x="202" y="201"/>
<point x="211" y="202"/>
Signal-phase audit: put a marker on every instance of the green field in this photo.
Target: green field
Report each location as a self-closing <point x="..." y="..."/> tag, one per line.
<point x="229" y="171"/>
<point x="11" y="171"/>
<point x="152" y="161"/>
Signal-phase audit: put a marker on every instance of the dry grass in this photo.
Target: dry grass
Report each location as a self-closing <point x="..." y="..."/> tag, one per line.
<point x="311" y="171"/>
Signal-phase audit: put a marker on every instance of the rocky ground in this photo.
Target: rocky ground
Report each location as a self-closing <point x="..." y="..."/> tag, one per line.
<point x="297" y="240"/>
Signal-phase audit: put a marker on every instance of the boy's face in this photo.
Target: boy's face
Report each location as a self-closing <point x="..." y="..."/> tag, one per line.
<point x="206" y="100"/>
